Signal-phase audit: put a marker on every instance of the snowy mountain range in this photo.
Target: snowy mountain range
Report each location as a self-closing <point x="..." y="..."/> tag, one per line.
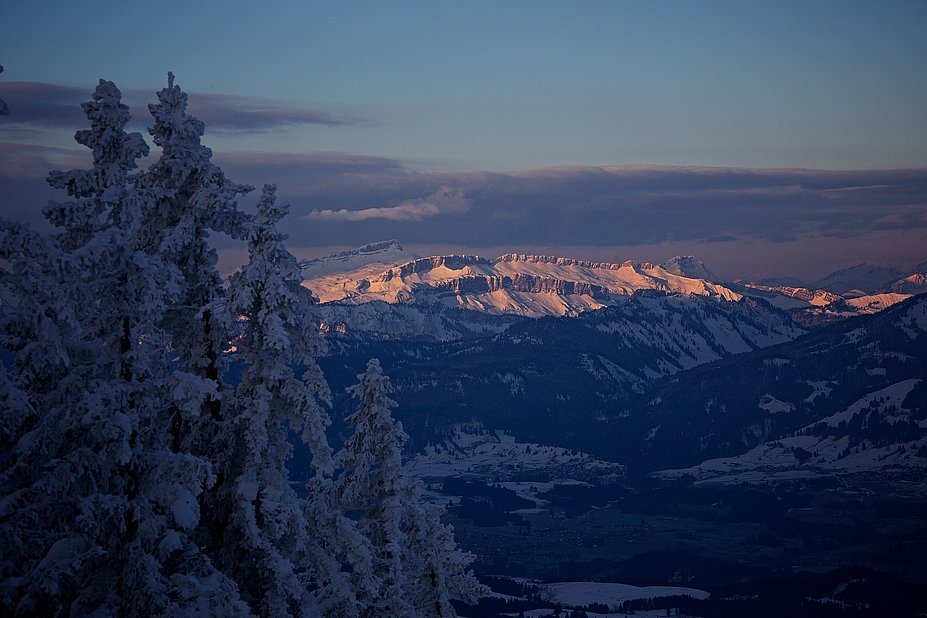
<point x="513" y="284"/>
<point x="381" y="290"/>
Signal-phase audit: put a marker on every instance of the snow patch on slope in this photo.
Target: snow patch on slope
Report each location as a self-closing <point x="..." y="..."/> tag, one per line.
<point x="579" y="594"/>
<point x="498" y="457"/>
<point x="873" y="303"/>
<point x="892" y="395"/>
<point x="771" y="405"/>
<point x="821" y="389"/>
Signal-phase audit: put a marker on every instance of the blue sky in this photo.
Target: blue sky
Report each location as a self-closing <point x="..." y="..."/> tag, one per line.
<point x="430" y="95"/>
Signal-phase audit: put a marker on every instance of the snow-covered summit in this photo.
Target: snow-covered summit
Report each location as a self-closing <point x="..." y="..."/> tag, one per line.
<point x="688" y="266"/>
<point x="912" y="284"/>
<point x="867" y="278"/>
<point x="386" y="252"/>
<point x="341" y="271"/>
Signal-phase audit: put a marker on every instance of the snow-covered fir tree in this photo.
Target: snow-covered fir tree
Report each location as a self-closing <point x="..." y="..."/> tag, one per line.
<point x="271" y="546"/>
<point x="436" y="569"/>
<point x="415" y="568"/>
<point x="190" y="197"/>
<point x="97" y="509"/>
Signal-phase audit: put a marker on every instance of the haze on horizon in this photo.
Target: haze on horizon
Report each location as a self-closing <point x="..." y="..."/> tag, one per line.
<point x="766" y="139"/>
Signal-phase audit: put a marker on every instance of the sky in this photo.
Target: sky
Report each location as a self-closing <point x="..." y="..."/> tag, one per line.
<point x="767" y="139"/>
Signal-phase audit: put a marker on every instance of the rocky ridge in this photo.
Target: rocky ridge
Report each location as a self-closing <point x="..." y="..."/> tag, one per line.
<point x="381" y="281"/>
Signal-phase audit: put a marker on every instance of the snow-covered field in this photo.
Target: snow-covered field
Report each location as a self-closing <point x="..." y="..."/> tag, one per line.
<point x="574" y="595"/>
<point x="497" y="457"/>
<point x="578" y="594"/>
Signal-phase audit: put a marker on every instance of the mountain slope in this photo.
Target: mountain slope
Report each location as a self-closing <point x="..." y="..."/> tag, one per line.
<point x="670" y="381"/>
<point x="726" y="408"/>
<point x="816" y="308"/>
<point x="880" y="432"/>
<point x="565" y="380"/>
<point x="378" y="320"/>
